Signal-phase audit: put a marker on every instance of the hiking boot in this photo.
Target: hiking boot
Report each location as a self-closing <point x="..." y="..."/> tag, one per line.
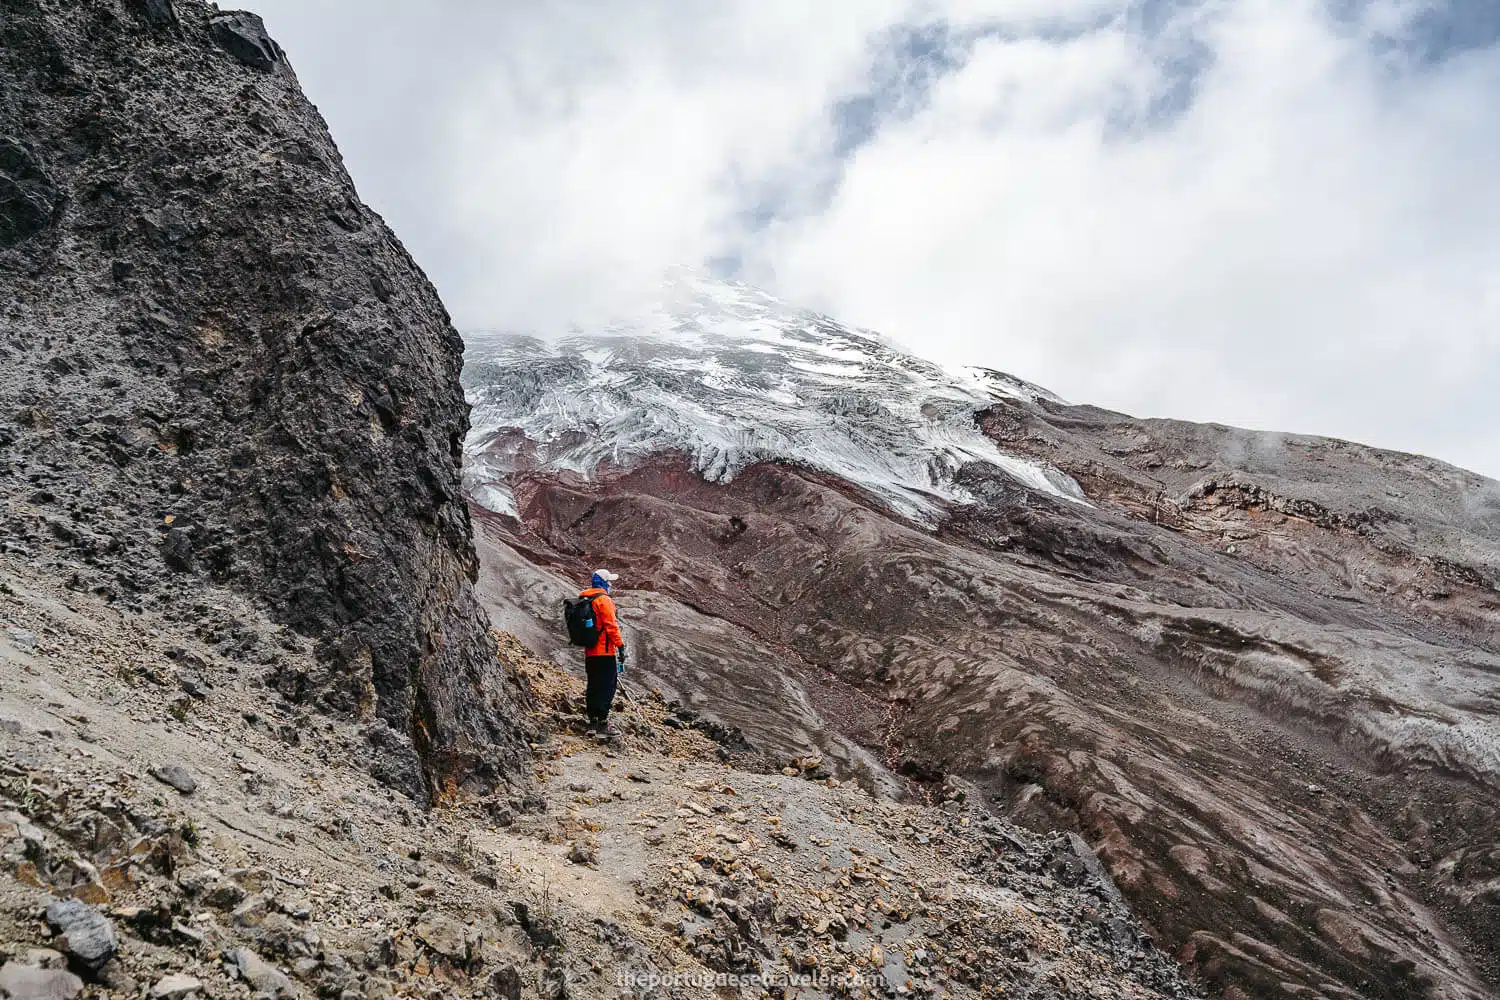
<point x="606" y="733"/>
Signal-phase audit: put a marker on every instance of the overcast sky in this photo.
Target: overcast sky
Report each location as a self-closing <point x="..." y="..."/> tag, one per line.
<point x="1282" y="214"/>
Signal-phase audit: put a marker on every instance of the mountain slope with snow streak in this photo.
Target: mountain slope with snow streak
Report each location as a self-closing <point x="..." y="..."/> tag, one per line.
<point x="729" y="376"/>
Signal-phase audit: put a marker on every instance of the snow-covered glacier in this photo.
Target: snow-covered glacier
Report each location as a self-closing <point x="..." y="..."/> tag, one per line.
<point x="727" y="376"/>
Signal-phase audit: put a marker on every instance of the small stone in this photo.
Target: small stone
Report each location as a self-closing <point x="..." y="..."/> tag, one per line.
<point x="175" y="987"/>
<point x="265" y="979"/>
<point x="86" y="934"/>
<point x="24" y="640"/>
<point x="254" y="879"/>
<point x="505" y="983"/>
<point x="177" y="776"/>
<point x="445" y="936"/>
<point x="120" y="981"/>
<point x="224" y="896"/>
<point x="91" y="892"/>
<point x="638" y="777"/>
<point x="27" y="982"/>
<point x="187" y="933"/>
<point x="252" y="912"/>
<point x="583" y="853"/>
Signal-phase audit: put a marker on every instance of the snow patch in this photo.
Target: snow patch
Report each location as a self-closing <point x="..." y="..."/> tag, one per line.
<point x="730" y="376"/>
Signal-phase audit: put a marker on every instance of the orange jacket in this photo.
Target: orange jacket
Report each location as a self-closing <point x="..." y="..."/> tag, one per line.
<point x="610" y="640"/>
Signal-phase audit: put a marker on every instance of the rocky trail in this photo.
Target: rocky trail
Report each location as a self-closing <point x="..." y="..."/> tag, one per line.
<point x="173" y="826"/>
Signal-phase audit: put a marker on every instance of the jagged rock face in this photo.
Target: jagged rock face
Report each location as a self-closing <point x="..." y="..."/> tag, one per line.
<point x="1257" y="672"/>
<point x="218" y="364"/>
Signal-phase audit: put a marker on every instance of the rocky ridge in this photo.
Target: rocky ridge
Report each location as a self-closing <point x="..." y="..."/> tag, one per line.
<point x="218" y="366"/>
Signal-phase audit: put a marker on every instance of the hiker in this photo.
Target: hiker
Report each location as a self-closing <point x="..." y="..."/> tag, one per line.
<point x="593" y="624"/>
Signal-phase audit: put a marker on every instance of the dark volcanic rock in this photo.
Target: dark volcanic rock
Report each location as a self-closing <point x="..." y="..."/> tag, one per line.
<point x="243" y="36"/>
<point x="217" y="365"/>
<point x="84" y="933"/>
<point x="158" y="13"/>
<point x="28" y="198"/>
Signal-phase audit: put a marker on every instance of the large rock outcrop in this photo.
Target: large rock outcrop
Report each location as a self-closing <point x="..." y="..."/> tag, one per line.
<point x="218" y="367"/>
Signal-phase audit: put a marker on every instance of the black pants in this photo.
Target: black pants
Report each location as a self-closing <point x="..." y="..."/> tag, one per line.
<point x="604" y="674"/>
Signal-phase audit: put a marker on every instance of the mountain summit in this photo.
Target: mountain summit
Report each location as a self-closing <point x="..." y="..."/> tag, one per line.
<point x="727" y="376"/>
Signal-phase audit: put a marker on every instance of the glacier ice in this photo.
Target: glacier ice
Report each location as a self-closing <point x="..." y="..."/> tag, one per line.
<point x="728" y="376"/>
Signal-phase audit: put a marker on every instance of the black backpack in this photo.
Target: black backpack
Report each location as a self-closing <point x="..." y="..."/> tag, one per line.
<point x="578" y="616"/>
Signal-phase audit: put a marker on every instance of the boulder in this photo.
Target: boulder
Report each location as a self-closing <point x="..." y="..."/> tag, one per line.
<point x="29" y="982"/>
<point x="177" y="776"/>
<point x="243" y="35"/>
<point x="86" y="935"/>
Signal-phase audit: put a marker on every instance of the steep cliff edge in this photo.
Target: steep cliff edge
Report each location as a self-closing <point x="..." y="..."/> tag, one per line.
<point x="219" y="368"/>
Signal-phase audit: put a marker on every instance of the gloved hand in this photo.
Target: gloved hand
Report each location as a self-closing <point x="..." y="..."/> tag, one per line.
<point x="620" y="660"/>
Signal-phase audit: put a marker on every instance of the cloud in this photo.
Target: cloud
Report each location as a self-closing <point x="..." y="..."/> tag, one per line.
<point x="1276" y="213"/>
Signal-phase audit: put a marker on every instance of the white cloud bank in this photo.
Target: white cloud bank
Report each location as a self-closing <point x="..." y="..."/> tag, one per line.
<point x="1278" y="213"/>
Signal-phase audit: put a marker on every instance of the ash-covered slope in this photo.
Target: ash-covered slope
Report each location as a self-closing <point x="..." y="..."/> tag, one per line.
<point x="1257" y="672"/>
<point x="217" y="365"/>
<point x="202" y="853"/>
